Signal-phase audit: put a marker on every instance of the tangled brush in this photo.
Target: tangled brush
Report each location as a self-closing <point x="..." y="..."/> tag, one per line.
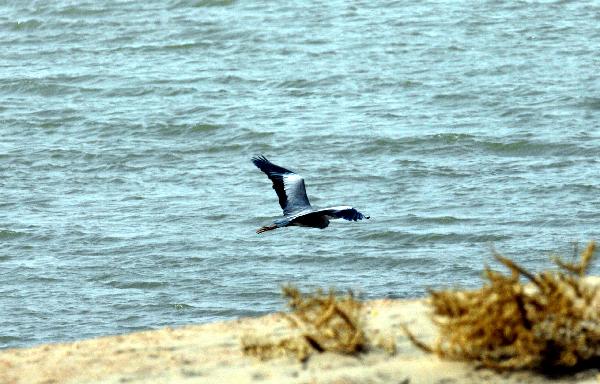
<point x="325" y="323"/>
<point x="554" y="322"/>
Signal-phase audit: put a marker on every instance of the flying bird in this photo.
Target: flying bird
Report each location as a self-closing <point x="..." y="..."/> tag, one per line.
<point x="297" y="210"/>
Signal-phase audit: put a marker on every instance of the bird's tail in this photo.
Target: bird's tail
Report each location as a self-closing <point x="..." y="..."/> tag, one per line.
<point x="266" y="228"/>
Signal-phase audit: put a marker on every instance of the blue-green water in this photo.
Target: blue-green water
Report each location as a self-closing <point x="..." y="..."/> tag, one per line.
<point x="128" y="200"/>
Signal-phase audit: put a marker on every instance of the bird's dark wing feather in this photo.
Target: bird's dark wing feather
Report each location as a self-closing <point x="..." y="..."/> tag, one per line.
<point x="288" y="185"/>
<point x="342" y="212"/>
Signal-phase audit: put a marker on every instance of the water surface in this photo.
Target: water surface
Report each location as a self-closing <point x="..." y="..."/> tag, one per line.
<point x="128" y="200"/>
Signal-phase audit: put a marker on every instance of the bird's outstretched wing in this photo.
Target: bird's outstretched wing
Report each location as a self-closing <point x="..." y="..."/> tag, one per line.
<point x="288" y="186"/>
<point x="342" y="212"/>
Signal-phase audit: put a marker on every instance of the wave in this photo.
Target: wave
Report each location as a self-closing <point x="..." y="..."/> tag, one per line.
<point x="189" y="129"/>
<point x="20" y="25"/>
<point x="6" y="234"/>
<point x="414" y="219"/>
<point x="137" y="284"/>
<point x="200" y="3"/>
<point x="460" y="144"/>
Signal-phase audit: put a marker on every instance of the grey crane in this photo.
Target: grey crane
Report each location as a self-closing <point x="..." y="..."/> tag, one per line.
<point x="297" y="210"/>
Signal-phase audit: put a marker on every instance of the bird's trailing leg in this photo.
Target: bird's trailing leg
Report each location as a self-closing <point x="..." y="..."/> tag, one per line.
<point x="266" y="228"/>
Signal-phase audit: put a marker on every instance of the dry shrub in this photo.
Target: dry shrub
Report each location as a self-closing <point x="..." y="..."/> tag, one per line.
<point x="328" y="323"/>
<point x="325" y="323"/>
<point x="265" y="348"/>
<point x="554" y="322"/>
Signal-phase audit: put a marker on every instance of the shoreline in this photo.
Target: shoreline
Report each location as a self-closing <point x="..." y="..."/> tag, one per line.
<point x="212" y="353"/>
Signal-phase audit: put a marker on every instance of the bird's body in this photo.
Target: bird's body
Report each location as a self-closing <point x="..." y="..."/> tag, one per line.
<point x="297" y="210"/>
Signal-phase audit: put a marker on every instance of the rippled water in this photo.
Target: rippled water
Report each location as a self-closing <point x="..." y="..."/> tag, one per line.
<point x="128" y="200"/>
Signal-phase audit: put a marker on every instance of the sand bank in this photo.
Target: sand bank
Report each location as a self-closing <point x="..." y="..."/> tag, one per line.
<point x="211" y="353"/>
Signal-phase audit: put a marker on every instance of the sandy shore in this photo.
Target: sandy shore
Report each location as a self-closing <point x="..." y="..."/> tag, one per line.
<point x="211" y="353"/>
